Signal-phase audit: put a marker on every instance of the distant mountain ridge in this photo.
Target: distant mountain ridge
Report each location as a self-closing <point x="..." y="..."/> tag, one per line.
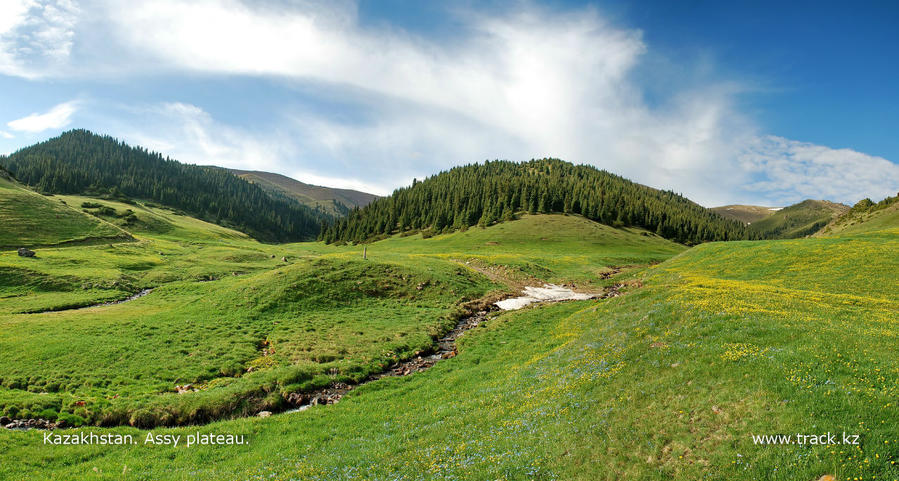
<point x="746" y="214"/>
<point x="81" y="162"/>
<point x="334" y="201"/>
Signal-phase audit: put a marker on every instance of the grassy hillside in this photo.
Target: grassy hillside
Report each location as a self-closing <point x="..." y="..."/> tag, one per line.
<point x="336" y="202"/>
<point x="866" y="217"/>
<point x="169" y="247"/>
<point x="746" y="214"/>
<point x="29" y="219"/>
<point x="798" y="220"/>
<point x="558" y="248"/>
<point x="144" y="218"/>
<point x="672" y="380"/>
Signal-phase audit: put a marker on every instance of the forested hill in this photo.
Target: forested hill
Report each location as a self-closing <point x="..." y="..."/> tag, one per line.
<point x="482" y="194"/>
<point x="80" y="162"/>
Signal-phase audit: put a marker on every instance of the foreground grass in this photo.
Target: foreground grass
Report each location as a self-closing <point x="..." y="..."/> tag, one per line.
<point x="672" y="380"/>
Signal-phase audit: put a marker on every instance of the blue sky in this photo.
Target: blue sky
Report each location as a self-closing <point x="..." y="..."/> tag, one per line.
<point x="725" y="102"/>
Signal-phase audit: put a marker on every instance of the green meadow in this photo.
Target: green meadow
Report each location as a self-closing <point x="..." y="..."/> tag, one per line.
<point x="706" y="348"/>
<point x="30" y="219"/>
<point x="247" y="324"/>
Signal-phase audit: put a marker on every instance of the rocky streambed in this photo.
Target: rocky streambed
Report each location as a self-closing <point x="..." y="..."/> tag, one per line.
<point x="444" y="349"/>
<point x="26" y="424"/>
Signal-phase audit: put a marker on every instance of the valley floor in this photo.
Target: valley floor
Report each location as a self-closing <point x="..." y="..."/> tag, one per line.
<point x="673" y="379"/>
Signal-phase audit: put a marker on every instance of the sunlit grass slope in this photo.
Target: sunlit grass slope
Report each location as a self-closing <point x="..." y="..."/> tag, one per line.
<point x="669" y="381"/>
<point x="154" y="221"/>
<point x="248" y="323"/>
<point x="28" y="219"/>
<point x="551" y="247"/>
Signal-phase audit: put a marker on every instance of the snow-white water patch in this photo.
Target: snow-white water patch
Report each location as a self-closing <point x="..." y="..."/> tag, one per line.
<point x="547" y="293"/>
<point x="299" y="409"/>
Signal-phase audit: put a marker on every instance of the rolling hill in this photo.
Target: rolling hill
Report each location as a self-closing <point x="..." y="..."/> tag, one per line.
<point x="797" y="220"/>
<point x="483" y="194"/>
<point x="322" y="309"/>
<point x="336" y="202"/>
<point x="80" y="162"/>
<point x="746" y="214"/>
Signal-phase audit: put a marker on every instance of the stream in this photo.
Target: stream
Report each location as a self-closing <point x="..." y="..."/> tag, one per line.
<point x="445" y="348"/>
<point x="110" y="303"/>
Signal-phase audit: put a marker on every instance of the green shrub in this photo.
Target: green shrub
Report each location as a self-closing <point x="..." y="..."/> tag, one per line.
<point x="48" y="414"/>
<point x="71" y="419"/>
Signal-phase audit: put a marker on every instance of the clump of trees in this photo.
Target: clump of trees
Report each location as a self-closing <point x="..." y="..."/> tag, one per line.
<point x="866" y="205"/>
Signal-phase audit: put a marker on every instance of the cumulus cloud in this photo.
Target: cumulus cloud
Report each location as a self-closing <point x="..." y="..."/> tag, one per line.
<point x="56" y="118"/>
<point x="790" y="171"/>
<point x="520" y="86"/>
<point x="188" y="133"/>
<point x="532" y="83"/>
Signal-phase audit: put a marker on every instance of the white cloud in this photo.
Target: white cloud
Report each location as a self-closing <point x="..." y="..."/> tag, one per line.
<point x="6" y="135"/>
<point x="36" y="36"/>
<point x="188" y="133"/>
<point x="57" y="117"/>
<point x="790" y="171"/>
<point x="532" y="83"/>
<point x="525" y="75"/>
